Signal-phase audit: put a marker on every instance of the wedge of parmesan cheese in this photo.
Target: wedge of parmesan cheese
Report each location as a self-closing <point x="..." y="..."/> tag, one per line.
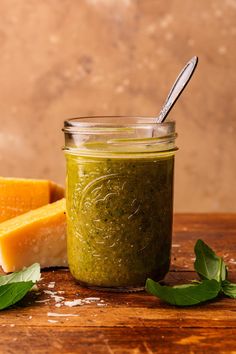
<point x="36" y="236"/>
<point x="18" y="195"/>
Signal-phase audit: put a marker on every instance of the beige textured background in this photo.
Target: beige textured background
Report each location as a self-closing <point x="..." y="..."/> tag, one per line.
<point x="64" y="58"/>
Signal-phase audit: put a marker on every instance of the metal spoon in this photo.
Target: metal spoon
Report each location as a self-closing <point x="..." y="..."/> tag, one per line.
<point x="180" y="83"/>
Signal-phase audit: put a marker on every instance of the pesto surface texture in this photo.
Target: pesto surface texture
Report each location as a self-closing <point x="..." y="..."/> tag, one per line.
<point x="119" y="214"/>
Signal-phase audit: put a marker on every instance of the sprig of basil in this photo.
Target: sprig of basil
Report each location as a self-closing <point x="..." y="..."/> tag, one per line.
<point x="14" y="287"/>
<point x="213" y="274"/>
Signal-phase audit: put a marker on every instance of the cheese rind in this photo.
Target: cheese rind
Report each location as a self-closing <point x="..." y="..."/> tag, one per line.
<point x="36" y="236"/>
<point x="18" y="195"/>
<point x="56" y="192"/>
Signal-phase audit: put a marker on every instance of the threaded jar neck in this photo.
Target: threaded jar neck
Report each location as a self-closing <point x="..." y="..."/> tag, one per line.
<point x="117" y="136"/>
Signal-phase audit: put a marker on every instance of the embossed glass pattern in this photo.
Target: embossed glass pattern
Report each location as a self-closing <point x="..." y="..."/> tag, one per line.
<point x="119" y="200"/>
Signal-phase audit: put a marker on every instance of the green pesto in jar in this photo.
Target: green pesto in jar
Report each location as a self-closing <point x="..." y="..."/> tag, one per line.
<point x="119" y="216"/>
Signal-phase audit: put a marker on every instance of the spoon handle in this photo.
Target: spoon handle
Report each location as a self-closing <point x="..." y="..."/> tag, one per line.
<point x="180" y="83"/>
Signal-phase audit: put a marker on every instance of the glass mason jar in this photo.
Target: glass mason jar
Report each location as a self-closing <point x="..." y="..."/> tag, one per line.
<point x="119" y="194"/>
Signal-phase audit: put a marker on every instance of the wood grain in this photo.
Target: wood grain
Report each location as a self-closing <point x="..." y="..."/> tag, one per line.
<point x="130" y="323"/>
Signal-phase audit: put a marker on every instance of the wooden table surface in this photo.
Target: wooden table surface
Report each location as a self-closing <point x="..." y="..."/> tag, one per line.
<point x="129" y="323"/>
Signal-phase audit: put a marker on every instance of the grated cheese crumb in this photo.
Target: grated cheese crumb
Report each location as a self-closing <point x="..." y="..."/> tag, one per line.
<point x="53" y="314"/>
<point x="92" y="299"/>
<point x="77" y="302"/>
<point x="51" y="285"/>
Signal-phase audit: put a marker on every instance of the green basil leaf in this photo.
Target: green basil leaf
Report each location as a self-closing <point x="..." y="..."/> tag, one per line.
<point x="207" y="264"/>
<point x="12" y="293"/>
<point x="184" y="295"/>
<point x="13" y="287"/>
<point x="229" y="289"/>
<point x="31" y="273"/>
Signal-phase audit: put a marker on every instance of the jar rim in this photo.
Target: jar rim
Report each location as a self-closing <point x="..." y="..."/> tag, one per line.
<point x="114" y="122"/>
